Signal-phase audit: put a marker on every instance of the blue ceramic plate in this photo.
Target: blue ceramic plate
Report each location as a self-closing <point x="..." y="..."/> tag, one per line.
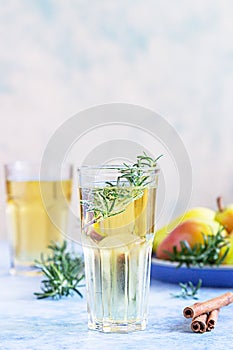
<point x="167" y="271"/>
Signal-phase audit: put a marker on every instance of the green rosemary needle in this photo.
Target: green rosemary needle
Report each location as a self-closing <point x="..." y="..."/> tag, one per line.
<point x="188" y="290"/>
<point x="63" y="272"/>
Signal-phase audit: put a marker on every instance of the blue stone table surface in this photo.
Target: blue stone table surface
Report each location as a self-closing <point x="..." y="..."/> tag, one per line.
<point x="28" y="323"/>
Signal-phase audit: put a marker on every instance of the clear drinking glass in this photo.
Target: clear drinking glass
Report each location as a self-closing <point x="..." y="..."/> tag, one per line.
<point x="29" y="226"/>
<point x="118" y="225"/>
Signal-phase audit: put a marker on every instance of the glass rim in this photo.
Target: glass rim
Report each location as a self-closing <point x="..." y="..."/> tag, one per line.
<point x="115" y="167"/>
<point x="31" y="163"/>
<point x="35" y="171"/>
<point x="20" y="162"/>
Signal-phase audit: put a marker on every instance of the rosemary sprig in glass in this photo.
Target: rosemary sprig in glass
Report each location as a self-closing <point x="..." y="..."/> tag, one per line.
<point x="63" y="272"/>
<point x="188" y="290"/>
<point x="201" y="254"/>
<point x="134" y="174"/>
<point x="113" y="198"/>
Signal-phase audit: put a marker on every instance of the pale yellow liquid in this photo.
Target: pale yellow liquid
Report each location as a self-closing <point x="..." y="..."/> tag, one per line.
<point x="29" y="226"/>
<point x="117" y="254"/>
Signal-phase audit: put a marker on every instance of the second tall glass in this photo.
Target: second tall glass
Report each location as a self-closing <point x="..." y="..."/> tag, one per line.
<point x="30" y="228"/>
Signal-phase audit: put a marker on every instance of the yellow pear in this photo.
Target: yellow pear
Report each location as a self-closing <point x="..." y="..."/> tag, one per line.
<point x="225" y="215"/>
<point x="229" y="258"/>
<point x="199" y="213"/>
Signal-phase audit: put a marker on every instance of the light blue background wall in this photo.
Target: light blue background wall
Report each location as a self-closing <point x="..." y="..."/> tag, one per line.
<point x="173" y="56"/>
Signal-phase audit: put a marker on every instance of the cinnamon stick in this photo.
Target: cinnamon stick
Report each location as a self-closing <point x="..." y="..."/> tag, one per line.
<point x="199" y="324"/>
<point x="208" y="306"/>
<point x="212" y="319"/>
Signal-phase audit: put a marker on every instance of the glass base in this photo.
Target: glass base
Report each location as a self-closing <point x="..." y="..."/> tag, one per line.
<point x="111" y="327"/>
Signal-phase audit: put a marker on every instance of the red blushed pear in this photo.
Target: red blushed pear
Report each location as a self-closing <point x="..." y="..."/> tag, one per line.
<point x="224" y="215"/>
<point x="190" y="231"/>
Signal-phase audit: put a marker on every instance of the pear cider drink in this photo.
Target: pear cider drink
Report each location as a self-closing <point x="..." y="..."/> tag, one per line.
<point x="118" y="220"/>
<point x="30" y="228"/>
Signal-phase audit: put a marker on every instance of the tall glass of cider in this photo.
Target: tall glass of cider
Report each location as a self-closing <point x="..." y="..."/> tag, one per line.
<point x="118" y="225"/>
<point x="29" y="225"/>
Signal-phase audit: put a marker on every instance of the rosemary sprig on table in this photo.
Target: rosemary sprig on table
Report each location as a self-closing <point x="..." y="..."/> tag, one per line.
<point x="188" y="290"/>
<point x="201" y="254"/>
<point x="63" y="272"/>
<point x="113" y="198"/>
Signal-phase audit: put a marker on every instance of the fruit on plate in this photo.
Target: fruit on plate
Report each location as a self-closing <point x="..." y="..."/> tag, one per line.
<point x="225" y="215"/>
<point x="229" y="257"/>
<point x="191" y="231"/>
<point x="199" y="213"/>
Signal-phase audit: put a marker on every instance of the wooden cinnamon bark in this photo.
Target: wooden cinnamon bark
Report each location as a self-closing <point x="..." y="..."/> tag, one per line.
<point x="208" y="306"/>
<point x="198" y="324"/>
<point x="212" y="319"/>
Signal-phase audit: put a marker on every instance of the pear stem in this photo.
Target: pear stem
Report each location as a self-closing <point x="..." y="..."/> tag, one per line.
<point x="219" y="204"/>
